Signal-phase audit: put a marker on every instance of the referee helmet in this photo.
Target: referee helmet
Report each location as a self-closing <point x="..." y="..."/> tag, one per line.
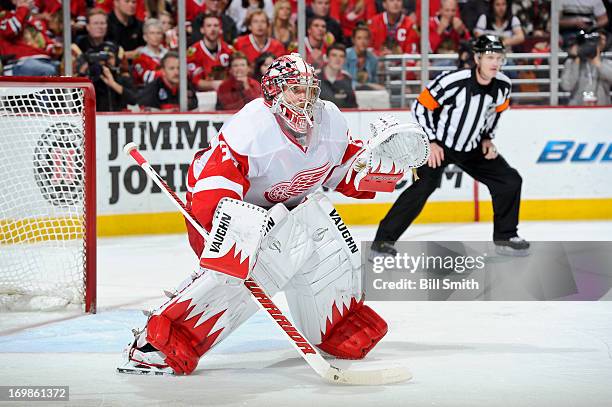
<point x="488" y="43"/>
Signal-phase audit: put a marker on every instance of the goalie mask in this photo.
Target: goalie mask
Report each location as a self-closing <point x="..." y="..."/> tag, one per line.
<point x="291" y="89"/>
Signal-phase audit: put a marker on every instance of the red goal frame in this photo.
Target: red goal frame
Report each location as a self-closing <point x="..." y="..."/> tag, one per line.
<point x="89" y="106"/>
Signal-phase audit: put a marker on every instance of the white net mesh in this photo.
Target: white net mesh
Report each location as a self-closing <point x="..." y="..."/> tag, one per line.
<point x="42" y="188"/>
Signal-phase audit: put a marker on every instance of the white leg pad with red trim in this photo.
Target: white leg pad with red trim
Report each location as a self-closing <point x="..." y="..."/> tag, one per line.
<point x="283" y="250"/>
<point x="325" y="295"/>
<point x="197" y="318"/>
<point x="213" y="302"/>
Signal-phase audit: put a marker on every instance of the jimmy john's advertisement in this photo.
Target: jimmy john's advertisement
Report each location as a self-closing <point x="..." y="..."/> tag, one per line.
<point x="169" y="142"/>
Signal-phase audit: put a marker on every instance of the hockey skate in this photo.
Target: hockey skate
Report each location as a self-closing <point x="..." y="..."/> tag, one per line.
<point x="143" y="359"/>
<point x="515" y="246"/>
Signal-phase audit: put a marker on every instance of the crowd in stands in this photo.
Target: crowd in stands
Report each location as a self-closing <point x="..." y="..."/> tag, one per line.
<point x="128" y="47"/>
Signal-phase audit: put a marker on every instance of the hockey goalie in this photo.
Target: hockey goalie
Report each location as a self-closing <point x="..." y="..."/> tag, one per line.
<point x="254" y="190"/>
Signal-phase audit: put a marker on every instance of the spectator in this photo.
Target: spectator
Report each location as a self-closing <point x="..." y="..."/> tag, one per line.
<point x="163" y="92"/>
<point x="123" y="27"/>
<point x="238" y="89"/>
<point x="465" y="55"/>
<point x="97" y="29"/>
<point x="446" y="31"/>
<point x="434" y="7"/>
<point x="240" y="10"/>
<point x="194" y="8"/>
<point x="587" y="76"/>
<point x="408" y="6"/>
<point x="500" y="21"/>
<point x="24" y="36"/>
<point x="44" y="9"/>
<point x="208" y="59"/>
<point x="534" y="16"/>
<point x="392" y="31"/>
<point x="470" y="10"/>
<point x="257" y="42"/>
<point x="147" y="62"/>
<point x="146" y="9"/>
<point x="361" y="63"/>
<point x="314" y="43"/>
<point x="101" y="65"/>
<point x="336" y="84"/>
<point x="579" y="15"/>
<point x="106" y="5"/>
<point x="170" y="32"/>
<point x="166" y="20"/>
<point x="604" y="44"/>
<point x="55" y="30"/>
<point x="228" y="25"/>
<point x="320" y="8"/>
<point x="282" y="29"/>
<point x="262" y="63"/>
<point x="350" y="12"/>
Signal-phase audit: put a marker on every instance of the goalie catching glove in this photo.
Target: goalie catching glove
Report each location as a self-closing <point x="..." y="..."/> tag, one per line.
<point x="392" y="150"/>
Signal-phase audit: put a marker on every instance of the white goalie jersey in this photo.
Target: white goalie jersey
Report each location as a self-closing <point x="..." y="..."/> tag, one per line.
<point x="253" y="160"/>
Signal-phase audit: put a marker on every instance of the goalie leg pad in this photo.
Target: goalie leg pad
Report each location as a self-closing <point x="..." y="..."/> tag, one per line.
<point x="174" y="342"/>
<point x="325" y="295"/>
<point x="198" y="318"/>
<point x="283" y="251"/>
<point x="356" y="334"/>
<point x="236" y="231"/>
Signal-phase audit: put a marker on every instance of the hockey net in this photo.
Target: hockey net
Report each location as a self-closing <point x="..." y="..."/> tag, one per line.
<point x="47" y="194"/>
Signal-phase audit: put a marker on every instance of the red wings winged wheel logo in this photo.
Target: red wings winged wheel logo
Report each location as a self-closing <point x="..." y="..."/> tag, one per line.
<point x="299" y="183"/>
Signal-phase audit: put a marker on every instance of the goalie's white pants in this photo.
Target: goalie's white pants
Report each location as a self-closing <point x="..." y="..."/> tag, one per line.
<point x="309" y="253"/>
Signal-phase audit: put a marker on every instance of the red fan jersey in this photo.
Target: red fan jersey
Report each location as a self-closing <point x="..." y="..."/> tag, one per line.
<point x="401" y="33"/>
<point x="201" y="62"/>
<point x="351" y="13"/>
<point x="146" y="65"/>
<point x="106" y="5"/>
<point x="247" y="45"/>
<point x="78" y="8"/>
<point x="448" y="40"/>
<point x="193" y="8"/>
<point x="319" y="61"/>
<point x="23" y="35"/>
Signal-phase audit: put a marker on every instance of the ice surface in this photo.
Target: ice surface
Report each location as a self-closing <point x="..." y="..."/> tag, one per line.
<point x="460" y="353"/>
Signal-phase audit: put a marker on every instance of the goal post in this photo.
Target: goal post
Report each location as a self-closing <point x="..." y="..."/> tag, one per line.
<point x="47" y="193"/>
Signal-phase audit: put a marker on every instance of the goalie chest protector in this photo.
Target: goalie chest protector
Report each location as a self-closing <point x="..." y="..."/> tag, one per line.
<point x="279" y="169"/>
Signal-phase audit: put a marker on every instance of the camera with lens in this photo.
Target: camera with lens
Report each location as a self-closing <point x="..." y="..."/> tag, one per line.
<point x="587" y="44"/>
<point x="96" y="58"/>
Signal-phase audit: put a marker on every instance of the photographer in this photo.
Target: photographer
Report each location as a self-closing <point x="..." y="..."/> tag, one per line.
<point x="113" y="91"/>
<point x="97" y="29"/>
<point x="586" y="76"/>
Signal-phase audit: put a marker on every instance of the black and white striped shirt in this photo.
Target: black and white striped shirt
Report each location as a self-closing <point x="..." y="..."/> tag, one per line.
<point x="458" y="112"/>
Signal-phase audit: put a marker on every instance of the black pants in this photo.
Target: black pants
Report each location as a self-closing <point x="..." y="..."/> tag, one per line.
<point x="503" y="181"/>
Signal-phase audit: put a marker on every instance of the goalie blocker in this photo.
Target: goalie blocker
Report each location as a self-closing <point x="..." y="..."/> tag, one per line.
<point x="309" y="253"/>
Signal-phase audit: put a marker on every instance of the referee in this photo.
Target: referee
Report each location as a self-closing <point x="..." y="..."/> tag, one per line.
<point x="459" y="111"/>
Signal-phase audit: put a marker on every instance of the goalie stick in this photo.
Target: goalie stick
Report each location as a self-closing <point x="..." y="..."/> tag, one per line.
<point x="310" y="354"/>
